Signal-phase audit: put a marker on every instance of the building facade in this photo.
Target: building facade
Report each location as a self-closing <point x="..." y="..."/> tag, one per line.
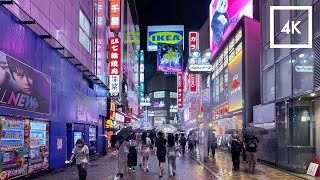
<point x="54" y="80"/>
<point x="289" y="85"/>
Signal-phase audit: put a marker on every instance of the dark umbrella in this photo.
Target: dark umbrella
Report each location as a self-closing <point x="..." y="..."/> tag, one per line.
<point x="151" y="131"/>
<point x="231" y="131"/>
<point x="138" y="130"/>
<point x="111" y="129"/>
<point x="124" y="133"/>
<point x="255" y="131"/>
<point x="193" y="130"/>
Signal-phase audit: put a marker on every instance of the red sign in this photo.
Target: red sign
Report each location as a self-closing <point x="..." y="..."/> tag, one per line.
<point x="180" y="90"/>
<point x="193" y="83"/>
<point x="193" y="41"/>
<point x="115" y="63"/>
<point x="235" y="84"/>
<point x="115" y="13"/>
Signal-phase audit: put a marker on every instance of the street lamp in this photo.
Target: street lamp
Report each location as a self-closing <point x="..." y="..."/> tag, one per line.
<point x="200" y="64"/>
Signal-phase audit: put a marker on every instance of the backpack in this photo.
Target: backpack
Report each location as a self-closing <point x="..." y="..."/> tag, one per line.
<point x="252" y="143"/>
<point x="237" y="147"/>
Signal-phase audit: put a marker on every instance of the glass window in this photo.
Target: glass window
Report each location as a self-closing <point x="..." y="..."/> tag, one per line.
<point x="159" y="94"/>
<point x="303" y="27"/>
<point x="281" y="125"/>
<point x="268" y="84"/>
<point x="303" y="61"/>
<point x="282" y="17"/>
<point x="280" y="53"/>
<point x="284" y="78"/>
<point x="84" y="31"/>
<point x="265" y="18"/>
<point x="268" y="56"/>
<point x="316" y="15"/>
<point x="173" y="95"/>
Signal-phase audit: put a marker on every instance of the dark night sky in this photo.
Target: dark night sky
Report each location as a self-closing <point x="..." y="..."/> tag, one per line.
<point x="190" y="13"/>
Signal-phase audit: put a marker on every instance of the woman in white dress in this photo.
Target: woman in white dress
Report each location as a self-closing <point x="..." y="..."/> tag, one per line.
<point x="145" y="151"/>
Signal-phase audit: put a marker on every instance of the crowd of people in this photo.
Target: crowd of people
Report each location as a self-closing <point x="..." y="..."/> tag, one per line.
<point x="163" y="146"/>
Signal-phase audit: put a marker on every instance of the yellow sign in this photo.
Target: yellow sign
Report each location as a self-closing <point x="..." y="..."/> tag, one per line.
<point x="166" y="37"/>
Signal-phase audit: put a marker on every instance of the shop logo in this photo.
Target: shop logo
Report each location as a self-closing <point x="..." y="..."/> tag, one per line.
<point x="235" y="84"/>
<point x="291" y="27"/>
<point x="166" y="37"/>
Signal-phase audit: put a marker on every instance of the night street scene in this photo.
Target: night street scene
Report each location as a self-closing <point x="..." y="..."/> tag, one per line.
<point x="159" y="89"/>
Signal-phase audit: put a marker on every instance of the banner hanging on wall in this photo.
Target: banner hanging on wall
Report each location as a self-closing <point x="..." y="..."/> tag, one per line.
<point x="170" y="58"/>
<point x="115" y="15"/>
<point x="87" y="109"/>
<point x="115" y="63"/>
<point x="23" y="87"/>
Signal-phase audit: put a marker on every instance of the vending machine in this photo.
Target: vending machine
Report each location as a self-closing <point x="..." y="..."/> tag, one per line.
<point x="14" y="152"/>
<point x="38" y="146"/>
<point x="77" y="135"/>
<point x="92" y="140"/>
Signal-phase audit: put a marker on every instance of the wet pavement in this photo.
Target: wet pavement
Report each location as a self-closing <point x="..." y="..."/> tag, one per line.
<point x="105" y="168"/>
<point x="221" y="167"/>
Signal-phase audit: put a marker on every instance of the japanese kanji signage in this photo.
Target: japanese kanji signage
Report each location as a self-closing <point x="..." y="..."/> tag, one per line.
<point x="193" y="83"/>
<point x="180" y="90"/>
<point x="115" y="63"/>
<point x="193" y="41"/>
<point x="141" y="74"/>
<point x="115" y="13"/>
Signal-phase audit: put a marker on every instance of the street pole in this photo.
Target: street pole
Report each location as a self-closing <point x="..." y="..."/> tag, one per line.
<point x="205" y="138"/>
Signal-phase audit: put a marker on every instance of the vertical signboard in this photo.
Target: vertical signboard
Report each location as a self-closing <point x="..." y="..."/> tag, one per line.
<point x="193" y="83"/>
<point x="193" y="41"/>
<point x="114" y="78"/>
<point x="235" y="83"/>
<point x="180" y="90"/>
<point x="115" y="14"/>
<point x="141" y="75"/>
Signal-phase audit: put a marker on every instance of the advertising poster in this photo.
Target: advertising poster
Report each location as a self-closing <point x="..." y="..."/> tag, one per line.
<point x="23" y="87"/>
<point x="235" y="83"/>
<point x="173" y="35"/>
<point x="158" y="104"/>
<point x="170" y="58"/>
<point x="87" y="109"/>
<point x="224" y="15"/>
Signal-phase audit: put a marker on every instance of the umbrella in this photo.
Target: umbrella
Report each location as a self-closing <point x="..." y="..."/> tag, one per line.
<point x="151" y="131"/>
<point x="167" y="128"/>
<point x="139" y="130"/>
<point x="193" y="130"/>
<point x="231" y="131"/>
<point x="182" y="130"/>
<point x="112" y="129"/>
<point x="124" y="133"/>
<point x="134" y="125"/>
<point x="255" y="131"/>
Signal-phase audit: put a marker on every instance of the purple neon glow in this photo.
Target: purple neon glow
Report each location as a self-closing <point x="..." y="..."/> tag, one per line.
<point x="235" y="10"/>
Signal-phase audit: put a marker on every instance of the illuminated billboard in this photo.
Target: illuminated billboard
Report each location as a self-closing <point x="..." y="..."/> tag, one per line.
<point x="169" y="58"/>
<point x="224" y="15"/>
<point x="173" y="35"/>
<point x="235" y="83"/>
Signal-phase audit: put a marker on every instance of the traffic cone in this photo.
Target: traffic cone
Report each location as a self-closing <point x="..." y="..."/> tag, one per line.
<point x="316" y="160"/>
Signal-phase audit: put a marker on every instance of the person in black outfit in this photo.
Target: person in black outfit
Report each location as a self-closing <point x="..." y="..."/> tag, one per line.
<point x="236" y="148"/>
<point x="132" y="155"/>
<point x="113" y="141"/>
<point x="212" y="143"/>
<point x="251" y="148"/>
<point x="183" y="142"/>
<point x="161" y="151"/>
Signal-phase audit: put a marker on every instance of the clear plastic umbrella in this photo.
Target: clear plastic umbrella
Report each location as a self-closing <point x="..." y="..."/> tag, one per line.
<point x="167" y="128"/>
<point x="134" y="125"/>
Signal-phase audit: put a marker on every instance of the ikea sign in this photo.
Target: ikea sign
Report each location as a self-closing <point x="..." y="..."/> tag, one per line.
<point x="164" y="35"/>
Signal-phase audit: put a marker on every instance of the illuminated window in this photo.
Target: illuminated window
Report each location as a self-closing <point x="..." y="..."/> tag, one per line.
<point x="84" y="31"/>
<point x="159" y="94"/>
<point x="173" y="95"/>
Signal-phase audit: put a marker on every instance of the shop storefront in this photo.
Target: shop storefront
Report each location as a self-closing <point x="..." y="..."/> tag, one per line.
<point x="234" y="82"/>
<point x="45" y="105"/>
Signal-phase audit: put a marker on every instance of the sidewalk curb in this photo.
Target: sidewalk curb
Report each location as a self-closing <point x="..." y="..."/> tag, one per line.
<point x="206" y="167"/>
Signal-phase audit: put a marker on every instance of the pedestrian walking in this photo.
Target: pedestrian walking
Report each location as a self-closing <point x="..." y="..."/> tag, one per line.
<point x="195" y="140"/>
<point x="122" y="147"/>
<point x="161" y="151"/>
<point x="190" y="143"/>
<point x="236" y="149"/>
<point x="81" y="153"/>
<point x="132" y="155"/>
<point x="183" y="142"/>
<point x="212" y="144"/>
<point x="171" y="149"/>
<point x="113" y="141"/>
<point x="145" y="151"/>
<point x="251" y="148"/>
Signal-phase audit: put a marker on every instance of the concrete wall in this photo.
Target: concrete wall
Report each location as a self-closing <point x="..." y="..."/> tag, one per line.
<point x="61" y="19"/>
